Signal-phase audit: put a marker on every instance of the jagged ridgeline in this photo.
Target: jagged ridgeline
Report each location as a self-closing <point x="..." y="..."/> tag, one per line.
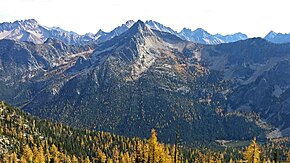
<point x="30" y="30"/>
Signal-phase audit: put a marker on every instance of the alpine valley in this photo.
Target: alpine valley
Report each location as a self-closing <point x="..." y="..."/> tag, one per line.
<point x="144" y="75"/>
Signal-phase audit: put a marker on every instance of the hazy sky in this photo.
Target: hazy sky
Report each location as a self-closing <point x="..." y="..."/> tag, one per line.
<point x="252" y="17"/>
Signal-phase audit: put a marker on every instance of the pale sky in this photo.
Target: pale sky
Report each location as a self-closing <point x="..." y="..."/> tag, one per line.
<point x="252" y="17"/>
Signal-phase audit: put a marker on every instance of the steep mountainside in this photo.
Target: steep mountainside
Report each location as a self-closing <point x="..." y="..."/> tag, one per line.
<point x="139" y="80"/>
<point x="21" y="63"/>
<point x="258" y="71"/>
<point x="145" y="78"/>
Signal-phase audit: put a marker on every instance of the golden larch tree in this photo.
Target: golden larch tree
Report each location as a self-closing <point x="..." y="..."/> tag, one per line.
<point x="156" y="152"/>
<point x="252" y="152"/>
<point x="39" y="158"/>
<point x="27" y="154"/>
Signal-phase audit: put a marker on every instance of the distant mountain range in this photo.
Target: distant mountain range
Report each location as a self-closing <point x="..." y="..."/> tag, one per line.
<point x="30" y="30"/>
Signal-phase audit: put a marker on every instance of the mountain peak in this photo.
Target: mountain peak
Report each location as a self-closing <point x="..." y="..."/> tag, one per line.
<point x="129" y="23"/>
<point x="31" y="21"/>
<point x="153" y="23"/>
<point x="139" y="22"/>
<point x="26" y="22"/>
<point x="140" y="27"/>
<point x="272" y="32"/>
<point x="185" y="30"/>
<point x="198" y="31"/>
<point x="271" y="35"/>
<point x="100" y="33"/>
<point x="199" y="35"/>
<point x="150" y="21"/>
<point x="201" y="31"/>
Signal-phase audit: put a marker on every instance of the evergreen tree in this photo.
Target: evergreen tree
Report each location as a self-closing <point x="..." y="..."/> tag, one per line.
<point x="276" y="156"/>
